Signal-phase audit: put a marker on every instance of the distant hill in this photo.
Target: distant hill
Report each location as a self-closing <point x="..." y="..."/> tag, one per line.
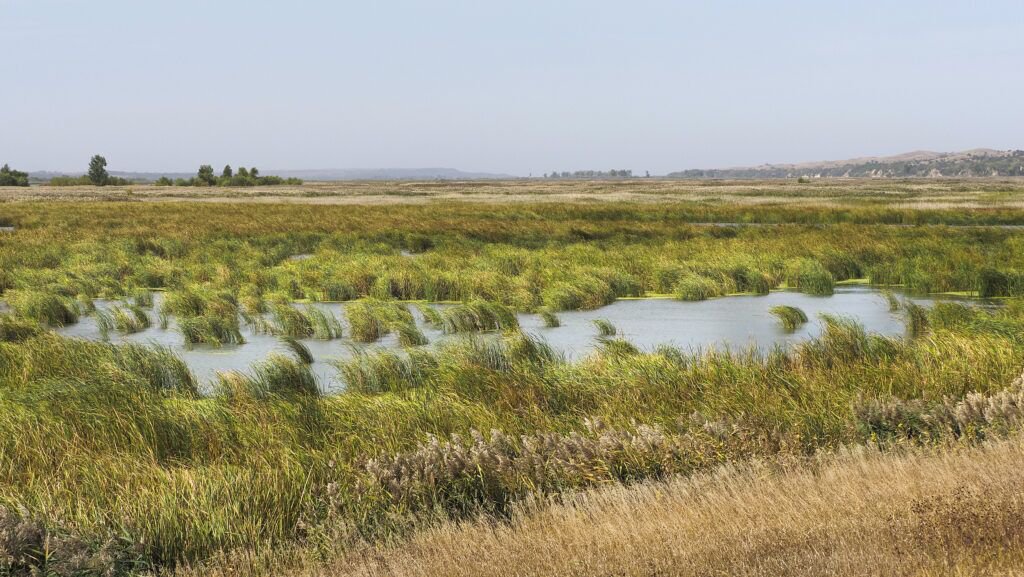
<point x="311" y="174"/>
<point x="918" y="164"/>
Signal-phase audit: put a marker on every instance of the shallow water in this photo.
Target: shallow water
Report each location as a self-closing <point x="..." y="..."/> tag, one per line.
<point x="735" y="322"/>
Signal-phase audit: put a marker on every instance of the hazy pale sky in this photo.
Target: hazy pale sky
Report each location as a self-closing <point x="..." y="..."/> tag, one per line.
<point x="517" y="87"/>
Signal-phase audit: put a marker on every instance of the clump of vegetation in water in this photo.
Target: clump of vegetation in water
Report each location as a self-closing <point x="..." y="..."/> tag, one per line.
<point x="478" y="315"/>
<point x="128" y="319"/>
<point x="300" y="350"/>
<point x="605" y="328"/>
<point x="790" y="317"/>
<point x="550" y="319"/>
<point x="369" y="320"/>
<point x="203" y="317"/>
<point x="309" y="323"/>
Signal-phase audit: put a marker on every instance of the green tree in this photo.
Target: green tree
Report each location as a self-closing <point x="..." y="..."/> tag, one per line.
<point x="226" y="173"/>
<point x="98" y="171"/>
<point x="254" y="172"/>
<point x="205" y="176"/>
<point x="9" y="177"/>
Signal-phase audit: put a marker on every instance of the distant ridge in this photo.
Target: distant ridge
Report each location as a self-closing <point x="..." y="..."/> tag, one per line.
<point x="978" y="162"/>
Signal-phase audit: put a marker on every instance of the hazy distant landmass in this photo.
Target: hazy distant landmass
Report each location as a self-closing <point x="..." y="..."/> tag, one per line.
<point x="970" y="163"/>
<point x="320" y="174"/>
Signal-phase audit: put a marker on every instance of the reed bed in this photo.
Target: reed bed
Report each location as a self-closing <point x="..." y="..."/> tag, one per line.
<point x="111" y="449"/>
<point x="112" y="462"/>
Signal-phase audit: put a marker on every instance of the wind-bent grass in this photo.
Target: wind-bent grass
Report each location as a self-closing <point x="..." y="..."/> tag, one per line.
<point x="409" y="335"/>
<point x="16" y="330"/>
<point x="310" y="323"/>
<point x="370" y="320"/>
<point x="110" y="461"/>
<point x="550" y="319"/>
<point x="99" y="437"/>
<point x="126" y="320"/>
<point x="790" y="317"/>
<point x="382" y="371"/>
<point x="278" y="377"/>
<point x="917" y="318"/>
<point x="300" y="350"/>
<point x="431" y="316"/>
<point x="605" y="328"/>
<point x="44" y="307"/>
<point x="861" y="512"/>
<point x="477" y="316"/>
<point x="891" y="300"/>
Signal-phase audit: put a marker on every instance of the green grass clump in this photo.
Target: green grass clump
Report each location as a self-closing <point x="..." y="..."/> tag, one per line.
<point x="214" y="330"/>
<point x="694" y="287"/>
<point x="409" y="335"/>
<point x="44" y="307"/>
<point x="300" y="350"/>
<point x="278" y="377"/>
<point x="917" y="318"/>
<point x="605" y="328"/>
<point x="550" y="319"/>
<point x="309" y="323"/>
<point x="126" y="320"/>
<point x="16" y="330"/>
<point x="811" y="277"/>
<point x="476" y="316"/>
<point x="204" y="317"/>
<point x="891" y="300"/>
<point x="383" y="371"/>
<point x="431" y="316"/>
<point x="790" y="317"/>
<point x="371" y="319"/>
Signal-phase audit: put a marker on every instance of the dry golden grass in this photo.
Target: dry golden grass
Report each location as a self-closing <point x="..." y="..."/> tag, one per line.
<point x="917" y="193"/>
<point x="952" y="512"/>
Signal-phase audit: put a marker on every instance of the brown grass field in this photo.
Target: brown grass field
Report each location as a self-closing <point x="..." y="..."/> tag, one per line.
<point x="930" y="193"/>
<point x="920" y="512"/>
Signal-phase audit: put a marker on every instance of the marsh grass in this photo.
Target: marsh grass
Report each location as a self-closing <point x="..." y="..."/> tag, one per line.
<point x="476" y="316"/>
<point x="694" y="287"/>
<point x="916" y="319"/>
<point x="790" y="317"/>
<point x="550" y="319"/>
<point x="380" y="371"/>
<point x="371" y="319"/>
<point x="431" y="316"/>
<point x="309" y="323"/>
<point x="125" y="319"/>
<point x="47" y="308"/>
<point x="300" y="350"/>
<point x="605" y="328"/>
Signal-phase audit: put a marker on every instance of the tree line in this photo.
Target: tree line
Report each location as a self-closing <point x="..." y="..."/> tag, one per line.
<point x="205" y="176"/>
<point x="591" y="174"/>
<point x="11" y="177"/>
<point x="97" y="175"/>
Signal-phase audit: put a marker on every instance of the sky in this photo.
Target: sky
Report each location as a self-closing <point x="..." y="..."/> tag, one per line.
<point x="521" y="87"/>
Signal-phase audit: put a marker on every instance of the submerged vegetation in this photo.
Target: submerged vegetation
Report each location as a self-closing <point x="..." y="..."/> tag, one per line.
<point x="113" y="462"/>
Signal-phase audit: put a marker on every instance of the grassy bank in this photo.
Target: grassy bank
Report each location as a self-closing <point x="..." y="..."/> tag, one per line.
<point x="859" y="513"/>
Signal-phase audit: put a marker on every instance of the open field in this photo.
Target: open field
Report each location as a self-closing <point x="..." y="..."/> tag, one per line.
<point x="948" y="512"/>
<point x="113" y="460"/>
<point x="911" y="193"/>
